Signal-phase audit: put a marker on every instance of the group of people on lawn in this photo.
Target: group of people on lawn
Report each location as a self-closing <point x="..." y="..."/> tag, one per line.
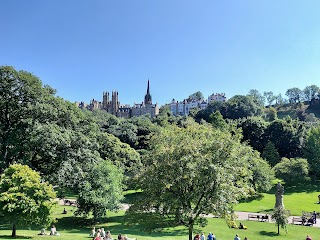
<point x="101" y="234"/>
<point x="211" y="236"/>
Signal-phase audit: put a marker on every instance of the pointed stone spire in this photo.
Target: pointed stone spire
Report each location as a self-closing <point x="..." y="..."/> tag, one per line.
<point x="148" y="88"/>
<point x="147" y="97"/>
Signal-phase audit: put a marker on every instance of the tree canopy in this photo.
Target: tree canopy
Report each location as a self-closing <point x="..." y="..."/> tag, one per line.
<point x="199" y="170"/>
<point x="24" y="198"/>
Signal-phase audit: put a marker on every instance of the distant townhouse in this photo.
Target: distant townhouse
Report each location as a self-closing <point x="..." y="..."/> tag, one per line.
<point x="184" y="107"/>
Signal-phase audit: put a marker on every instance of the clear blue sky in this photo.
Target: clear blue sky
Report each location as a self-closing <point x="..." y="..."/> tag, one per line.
<point x="82" y="48"/>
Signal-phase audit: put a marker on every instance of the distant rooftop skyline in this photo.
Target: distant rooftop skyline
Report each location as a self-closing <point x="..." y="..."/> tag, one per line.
<point x="87" y="47"/>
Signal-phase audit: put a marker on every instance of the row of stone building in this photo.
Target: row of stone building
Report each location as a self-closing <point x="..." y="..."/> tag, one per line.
<point x="184" y="107"/>
<point x="111" y="104"/>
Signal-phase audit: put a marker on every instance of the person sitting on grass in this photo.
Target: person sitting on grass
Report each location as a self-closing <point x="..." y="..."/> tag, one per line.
<point x="98" y="236"/>
<point x="93" y="232"/>
<point x="42" y="232"/>
<point x="237" y="237"/>
<point x="308" y="238"/>
<point x="53" y="231"/>
<point x="64" y="211"/>
<point x="108" y="237"/>
<point x="241" y="226"/>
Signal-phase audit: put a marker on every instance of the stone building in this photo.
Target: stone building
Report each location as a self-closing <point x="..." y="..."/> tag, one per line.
<point x="112" y="105"/>
<point x="183" y="107"/>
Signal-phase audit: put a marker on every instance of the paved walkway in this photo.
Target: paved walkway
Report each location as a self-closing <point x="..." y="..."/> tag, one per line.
<point x="244" y="216"/>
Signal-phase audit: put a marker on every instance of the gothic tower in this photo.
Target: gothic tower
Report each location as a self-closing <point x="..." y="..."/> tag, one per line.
<point x="115" y="103"/>
<point x="147" y="97"/>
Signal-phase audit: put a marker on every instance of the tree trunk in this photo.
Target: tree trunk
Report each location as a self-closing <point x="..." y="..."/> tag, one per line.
<point x="278" y="229"/>
<point x="14" y="234"/>
<point x="190" y="231"/>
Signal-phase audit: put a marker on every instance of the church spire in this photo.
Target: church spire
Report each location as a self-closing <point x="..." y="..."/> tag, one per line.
<point x="148" y="88"/>
<point x="147" y="97"/>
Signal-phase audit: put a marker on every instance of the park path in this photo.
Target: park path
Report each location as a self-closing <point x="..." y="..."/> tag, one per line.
<point x="244" y="216"/>
<point x="241" y="215"/>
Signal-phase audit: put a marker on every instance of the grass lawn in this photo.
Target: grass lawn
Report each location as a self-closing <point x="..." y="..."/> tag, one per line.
<point x="71" y="227"/>
<point x="302" y="197"/>
<point x="297" y="198"/>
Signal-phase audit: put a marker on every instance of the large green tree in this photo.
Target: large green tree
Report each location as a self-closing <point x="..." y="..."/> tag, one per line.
<point x="311" y="92"/>
<point x="100" y="191"/>
<point x="311" y="150"/>
<point x="24" y="198"/>
<point x="295" y="95"/>
<point x="240" y="106"/>
<point x="292" y="170"/>
<point x="192" y="171"/>
<point x="20" y="91"/>
<point x="270" y="154"/>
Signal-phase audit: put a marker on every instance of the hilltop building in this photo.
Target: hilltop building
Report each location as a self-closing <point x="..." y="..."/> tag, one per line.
<point x="184" y="107"/>
<point x="112" y="105"/>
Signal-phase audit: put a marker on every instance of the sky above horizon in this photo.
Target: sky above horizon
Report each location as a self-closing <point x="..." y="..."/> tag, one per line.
<point x="82" y="48"/>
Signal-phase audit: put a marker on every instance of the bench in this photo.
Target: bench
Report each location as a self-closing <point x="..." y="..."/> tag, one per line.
<point x="259" y="217"/>
<point x="70" y="202"/>
<point x="298" y="220"/>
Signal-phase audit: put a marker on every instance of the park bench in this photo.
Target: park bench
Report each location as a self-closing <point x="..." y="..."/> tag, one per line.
<point x="70" y="202"/>
<point x="298" y="220"/>
<point x="259" y="217"/>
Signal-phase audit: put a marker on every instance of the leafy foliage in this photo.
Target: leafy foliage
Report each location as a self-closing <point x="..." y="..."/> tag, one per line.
<point x="100" y="191"/>
<point x="280" y="216"/>
<point x="311" y="150"/>
<point x="271" y="154"/>
<point x="193" y="171"/>
<point x="24" y="198"/>
<point x="292" y="170"/>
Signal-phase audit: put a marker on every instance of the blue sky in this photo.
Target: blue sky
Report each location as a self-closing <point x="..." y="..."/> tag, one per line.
<point x="82" y="48"/>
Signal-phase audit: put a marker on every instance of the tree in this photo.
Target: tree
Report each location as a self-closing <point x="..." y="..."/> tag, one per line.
<point x="311" y="92"/>
<point x="270" y="154"/>
<point x="217" y="120"/>
<point x="242" y="106"/>
<point x="19" y="93"/>
<point x="270" y="114"/>
<point x="279" y="99"/>
<point x="24" y="198"/>
<point x="192" y="171"/>
<point x="270" y="97"/>
<point x="196" y="96"/>
<point x="294" y="95"/>
<point x="100" y="191"/>
<point x="311" y="150"/>
<point x="257" y="97"/>
<point x="287" y="136"/>
<point x="292" y="170"/>
<point x="280" y="216"/>
<point x="253" y="131"/>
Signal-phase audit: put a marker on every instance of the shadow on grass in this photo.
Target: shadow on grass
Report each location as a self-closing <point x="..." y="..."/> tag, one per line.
<point x="257" y="196"/>
<point x="308" y="187"/>
<point x="128" y="198"/>
<point x="17" y="237"/>
<point x="113" y="224"/>
<point x="270" y="234"/>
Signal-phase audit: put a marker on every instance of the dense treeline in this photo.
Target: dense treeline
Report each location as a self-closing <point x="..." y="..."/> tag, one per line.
<point x="97" y="155"/>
